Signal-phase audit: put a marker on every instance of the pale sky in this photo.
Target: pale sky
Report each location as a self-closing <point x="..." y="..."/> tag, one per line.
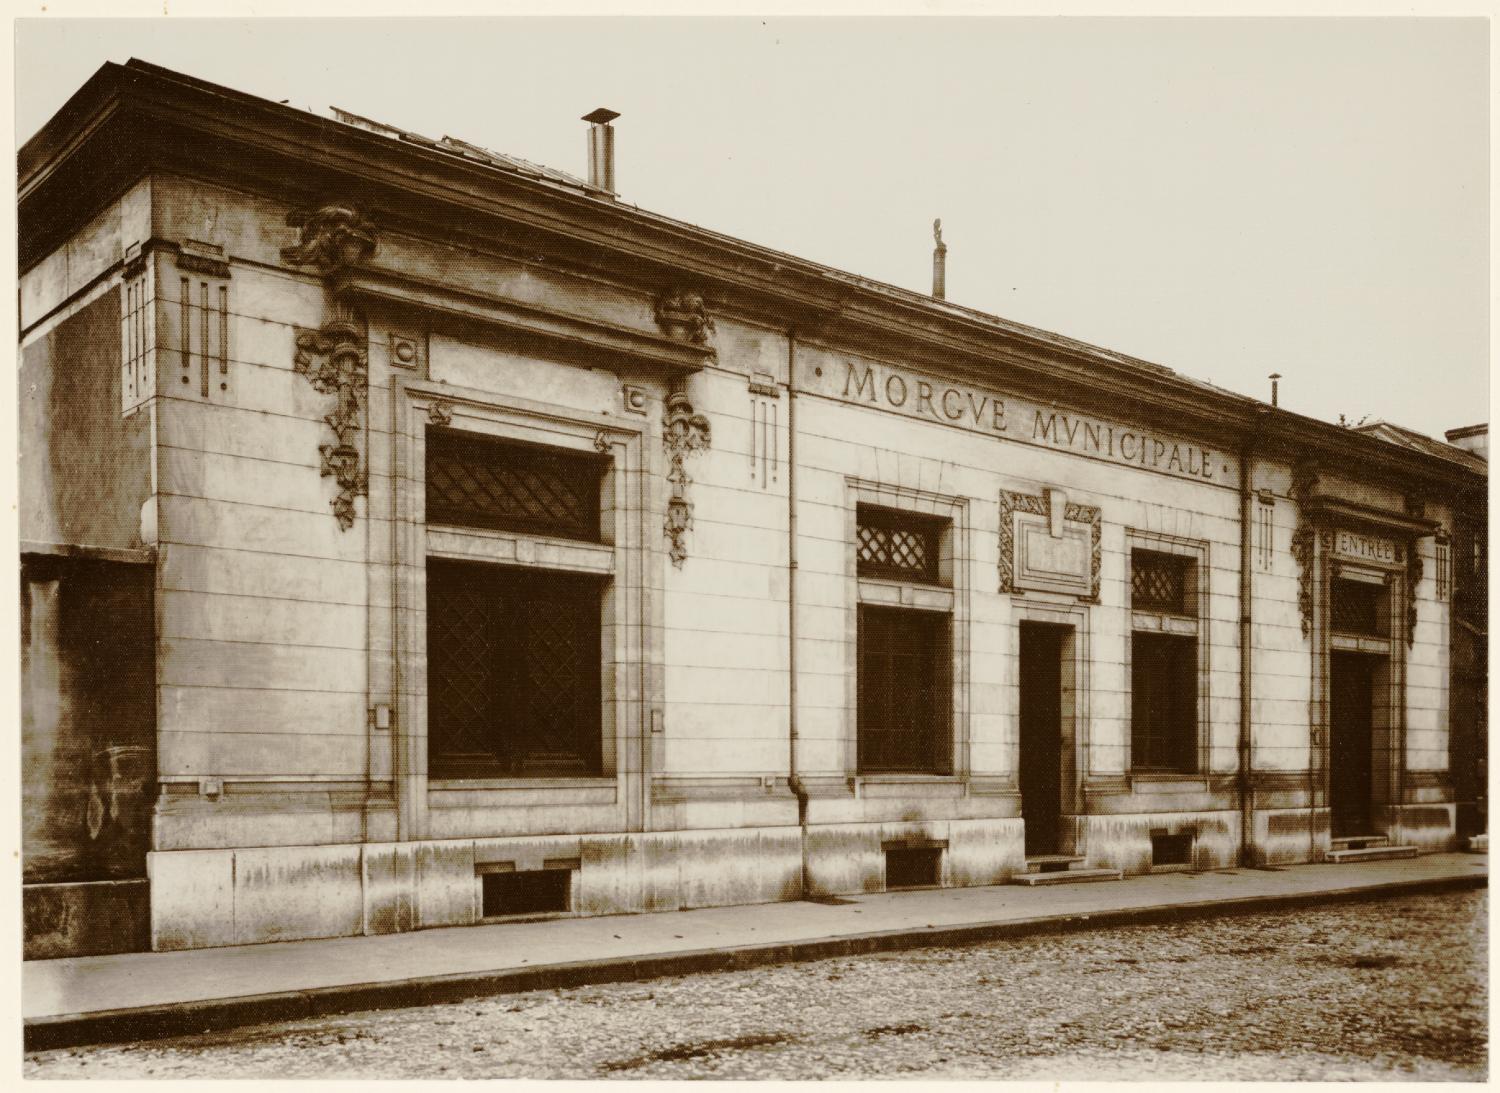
<point x="1228" y="197"/>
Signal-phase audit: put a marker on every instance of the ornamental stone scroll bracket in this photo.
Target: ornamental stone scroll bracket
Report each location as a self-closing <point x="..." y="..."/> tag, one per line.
<point x="684" y="431"/>
<point x="332" y="237"/>
<point x="335" y="361"/>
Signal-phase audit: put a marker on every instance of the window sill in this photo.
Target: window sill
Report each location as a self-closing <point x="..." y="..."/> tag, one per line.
<point x="1359" y="643"/>
<point x="1153" y="622"/>
<point x="1177" y="780"/>
<point x="924" y="597"/>
<point x="909" y="785"/>
<point x="519" y="548"/>
<point x="450" y="784"/>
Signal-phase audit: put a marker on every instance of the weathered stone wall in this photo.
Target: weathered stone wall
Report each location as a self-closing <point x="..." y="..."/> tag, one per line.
<point x="295" y="799"/>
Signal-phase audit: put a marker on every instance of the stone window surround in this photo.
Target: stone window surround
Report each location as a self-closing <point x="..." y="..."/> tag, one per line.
<point x="953" y="599"/>
<point x="624" y="553"/>
<point x="1156" y="622"/>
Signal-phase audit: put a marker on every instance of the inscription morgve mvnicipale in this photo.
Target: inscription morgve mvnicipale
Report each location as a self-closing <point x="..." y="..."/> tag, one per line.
<point x="1014" y="419"/>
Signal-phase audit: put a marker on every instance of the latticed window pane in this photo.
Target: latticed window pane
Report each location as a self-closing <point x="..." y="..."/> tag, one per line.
<point x="1163" y="702"/>
<point x="898" y="545"/>
<point x="477" y="481"/>
<point x="512" y="671"/>
<point x="1159" y="582"/>
<point x="905" y="691"/>
<point x="1358" y="607"/>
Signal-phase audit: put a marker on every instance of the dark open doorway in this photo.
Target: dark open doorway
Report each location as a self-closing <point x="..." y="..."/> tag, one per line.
<point x="1351" y="726"/>
<point x="1041" y="678"/>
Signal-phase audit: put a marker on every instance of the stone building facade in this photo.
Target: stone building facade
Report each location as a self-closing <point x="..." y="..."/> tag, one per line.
<point x="414" y="536"/>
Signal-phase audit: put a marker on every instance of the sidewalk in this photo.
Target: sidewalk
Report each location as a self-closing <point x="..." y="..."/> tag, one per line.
<point x="135" y="996"/>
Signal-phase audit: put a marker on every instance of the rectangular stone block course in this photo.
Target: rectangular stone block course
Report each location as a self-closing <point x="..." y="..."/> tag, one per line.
<point x="192" y="899"/>
<point x="447" y="891"/>
<point x="285" y="894"/>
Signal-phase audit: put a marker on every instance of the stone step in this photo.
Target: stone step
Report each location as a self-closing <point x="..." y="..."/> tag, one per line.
<point x="1065" y="876"/>
<point x="1479" y="844"/>
<point x="1051" y="863"/>
<point x="1358" y="842"/>
<point x="1371" y="853"/>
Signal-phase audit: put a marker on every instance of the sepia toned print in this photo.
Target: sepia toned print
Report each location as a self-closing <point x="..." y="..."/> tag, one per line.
<point x="430" y="559"/>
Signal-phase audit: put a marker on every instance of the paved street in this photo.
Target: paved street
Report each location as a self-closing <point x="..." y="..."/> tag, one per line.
<point x="1392" y="989"/>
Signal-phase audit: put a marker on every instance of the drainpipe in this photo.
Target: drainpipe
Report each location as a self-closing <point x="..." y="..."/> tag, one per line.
<point x="1247" y="803"/>
<point x="794" y="778"/>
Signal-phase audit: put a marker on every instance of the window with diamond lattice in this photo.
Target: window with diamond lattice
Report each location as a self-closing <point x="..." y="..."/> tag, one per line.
<point x="905" y="691"/>
<point x="1159" y="582"/>
<point x="899" y="545"/>
<point x="478" y="481"/>
<point x="513" y="676"/>
<point x="1358" y="607"/>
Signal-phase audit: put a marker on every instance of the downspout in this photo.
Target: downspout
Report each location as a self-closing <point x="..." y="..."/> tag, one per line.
<point x="794" y="777"/>
<point x="1247" y="803"/>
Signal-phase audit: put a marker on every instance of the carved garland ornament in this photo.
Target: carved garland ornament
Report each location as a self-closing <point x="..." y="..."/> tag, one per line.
<point x="1092" y="515"/>
<point x="332" y="238"/>
<point x="1304" y="481"/>
<point x="334" y="361"/>
<point x="1413" y="578"/>
<point x="684" y="431"/>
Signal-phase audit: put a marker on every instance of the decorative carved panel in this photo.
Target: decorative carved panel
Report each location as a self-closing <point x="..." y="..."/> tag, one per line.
<point x="1041" y="553"/>
<point x="137" y="338"/>
<point x="195" y="324"/>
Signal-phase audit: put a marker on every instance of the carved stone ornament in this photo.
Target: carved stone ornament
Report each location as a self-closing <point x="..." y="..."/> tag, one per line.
<point x="681" y="314"/>
<point x="684" y="431"/>
<point x="1413" y="578"/>
<point x="1304" y="482"/>
<point x="334" y="361"/>
<point x="678" y="523"/>
<point x="333" y="237"/>
<point x="601" y="441"/>
<point x="1092" y="515"/>
<point x="440" y="413"/>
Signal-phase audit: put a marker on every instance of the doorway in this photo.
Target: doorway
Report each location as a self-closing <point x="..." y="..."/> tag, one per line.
<point x="1041" y="679"/>
<point x="1351" y="728"/>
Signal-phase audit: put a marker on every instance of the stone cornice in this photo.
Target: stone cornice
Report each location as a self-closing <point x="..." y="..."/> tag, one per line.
<point x="73" y="166"/>
<point x="565" y="335"/>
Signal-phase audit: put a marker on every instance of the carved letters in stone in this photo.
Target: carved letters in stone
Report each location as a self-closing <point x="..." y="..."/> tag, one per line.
<point x="332" y="238"/>
<point x="334" y="361"/>
<point x="682" y="315"/>
<point x="684" y="431"/>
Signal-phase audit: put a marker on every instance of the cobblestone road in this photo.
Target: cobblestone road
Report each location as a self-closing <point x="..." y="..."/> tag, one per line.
<point x="1392" y="990"/>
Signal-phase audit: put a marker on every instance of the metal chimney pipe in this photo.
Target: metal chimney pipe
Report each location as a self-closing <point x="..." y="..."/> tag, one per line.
<point x="939" y="262"/>
<point x="601" y="148"/>
<point x="1275" y="378"/>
